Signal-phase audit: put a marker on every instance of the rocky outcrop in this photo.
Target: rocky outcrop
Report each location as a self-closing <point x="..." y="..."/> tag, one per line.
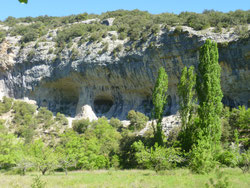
<point x="114" y="83"/>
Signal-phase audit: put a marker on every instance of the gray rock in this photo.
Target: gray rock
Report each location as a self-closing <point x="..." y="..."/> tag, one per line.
<point x="113" y="85"/>
<point x="108" y="22"/>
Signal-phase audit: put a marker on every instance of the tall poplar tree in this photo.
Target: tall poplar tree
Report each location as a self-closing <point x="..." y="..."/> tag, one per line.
<point x="209" y="91"/>
<point x="187" y="110"/>
<point x="186" y="92"/>
<point x="159" y="100"/>
<point x="210" y="107"/>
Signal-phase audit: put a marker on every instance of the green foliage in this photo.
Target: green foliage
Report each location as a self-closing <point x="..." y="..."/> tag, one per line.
<point x="30" y="55"/>
<point x="9" y="148"/>
<point x="29" y="32"/>
<point x="2" y="35"/>
<point x="23" y="1"/>
<point x="61" y="119"/>
<point x="186" y="93"/>
<point x="219" y="181"/>
<point x="44" y="117"/>
<point x="94" y="149"/>
<point x="23" y="112"/>
<point x="38" y="183"/>
<point x="209" y="91"/>
<point x="244" y="162"/>
<point x="43" y="157"/>
<point x="229" y="158"/>
<point x="137" y="120"/>
<point x="202" y="160"/>
<point x="5" y="105"/>
<point x="157" y="157"/>
<point x="116" y="123"/>
<point x="80" y="126"/>
<point x="242" y="31"/>
<point x="74" y="54"/>
<point x="159" y="99"/>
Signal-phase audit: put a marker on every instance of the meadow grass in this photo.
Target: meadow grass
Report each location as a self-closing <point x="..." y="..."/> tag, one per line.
<point x="125" y="178"/>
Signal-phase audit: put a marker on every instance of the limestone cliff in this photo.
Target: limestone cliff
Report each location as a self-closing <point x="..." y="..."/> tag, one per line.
<point x="114" y="83"/>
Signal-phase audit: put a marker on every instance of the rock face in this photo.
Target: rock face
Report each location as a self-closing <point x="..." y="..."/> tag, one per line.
<point x="112" y="84"/>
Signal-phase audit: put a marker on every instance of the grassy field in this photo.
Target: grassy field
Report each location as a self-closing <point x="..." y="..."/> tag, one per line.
<point x="127" y="178"/>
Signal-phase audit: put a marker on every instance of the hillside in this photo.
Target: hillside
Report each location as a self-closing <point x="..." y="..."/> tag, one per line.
<point x="110" y="61"/>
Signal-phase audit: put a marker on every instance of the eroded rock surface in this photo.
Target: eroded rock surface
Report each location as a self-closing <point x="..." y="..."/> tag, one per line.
<point x="112" y="84"/>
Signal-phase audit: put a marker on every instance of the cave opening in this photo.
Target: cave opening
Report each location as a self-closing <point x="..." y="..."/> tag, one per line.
<point x="102" y="104"/>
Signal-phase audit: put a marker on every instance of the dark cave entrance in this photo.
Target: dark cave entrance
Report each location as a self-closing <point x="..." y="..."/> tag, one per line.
<point x="102" y="104"/>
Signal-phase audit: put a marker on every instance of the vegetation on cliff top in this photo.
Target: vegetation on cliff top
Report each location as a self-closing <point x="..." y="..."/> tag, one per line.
<point x="136" y="25"/>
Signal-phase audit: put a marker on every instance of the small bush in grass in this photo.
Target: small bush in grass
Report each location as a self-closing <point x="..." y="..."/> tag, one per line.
<point x="157" y="158"/>
<point x="219" y="182"/>
<point x="38" y="183"/>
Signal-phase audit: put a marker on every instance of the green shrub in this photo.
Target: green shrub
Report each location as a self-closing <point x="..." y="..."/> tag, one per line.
<point x="30" y="55"/>
<point x="155" y="28"/>
<point x="96" y="36"/>
<point x="2" y="35"/>
<point x="137" y="120"/>
<point x="74" y="54"/>
<point x="229" y="158"/>
<point x="219" y="181"/>
<point x="23" y="113"/>
<point x="5" y="105"/>
<point x="122" y="35"/>
<point x="178" y="30"/>
<point x="244" y="162"/>
<point x="242" y="31"/>
<point x="44" y="117"/>
<point x="118" y="49"/>
<point x="38" y="183"/>
<point x="202" y="161"/>
<point x="157" y="158"/>
<point x="51" y="50"/>
<point x="60" y="118"/>
<point x="116" y="123"/>
<point x="80" y="126"/>
<point x="113" y="38"/>
<point x="29" y="36"/>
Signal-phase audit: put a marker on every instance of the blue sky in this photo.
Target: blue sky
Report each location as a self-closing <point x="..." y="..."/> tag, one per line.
<point x="68" y="7"/>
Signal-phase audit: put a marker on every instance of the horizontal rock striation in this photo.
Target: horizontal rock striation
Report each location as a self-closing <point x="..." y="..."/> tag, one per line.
<point x="112" y="84"/>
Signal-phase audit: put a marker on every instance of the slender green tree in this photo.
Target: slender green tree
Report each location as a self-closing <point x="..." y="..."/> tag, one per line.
<point x="209" y="91"/>
<point x="159" y="99"/>
<point x="186" y="92"/>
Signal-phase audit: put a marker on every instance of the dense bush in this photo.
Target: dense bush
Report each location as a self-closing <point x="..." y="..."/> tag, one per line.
<point x="2" y="35"/>
<point x="116" y="123"/>
<point x="5" y="105"/>
<point x="157" y="158"/>
<point x="137" y="120"/>
<point x="44" y="117"/>
<point x="80" y="126"/>
<point x="61" y="119"/>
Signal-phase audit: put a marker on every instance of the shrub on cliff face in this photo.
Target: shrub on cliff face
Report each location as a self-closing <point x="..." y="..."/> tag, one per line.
<point x="80" y="126"/>
<point x="61" y="119"/>
<point x="2" y="35"/>
<point x="5" y="105"/>
<point x="116" y="123"/>
<point x="44" y="117"/>
<point x="137" y="120"/>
